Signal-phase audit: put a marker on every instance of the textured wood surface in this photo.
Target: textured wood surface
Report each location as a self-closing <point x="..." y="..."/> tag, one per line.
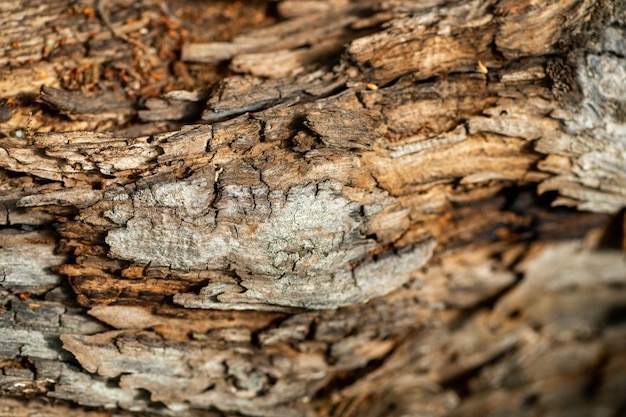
<point x="312" y="208"/>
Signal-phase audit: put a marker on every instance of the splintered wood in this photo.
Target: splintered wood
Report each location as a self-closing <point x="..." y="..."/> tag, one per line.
<point x="306" y="208"/>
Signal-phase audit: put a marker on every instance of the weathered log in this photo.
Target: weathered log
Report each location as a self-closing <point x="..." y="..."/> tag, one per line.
<point x="348" y="222"/>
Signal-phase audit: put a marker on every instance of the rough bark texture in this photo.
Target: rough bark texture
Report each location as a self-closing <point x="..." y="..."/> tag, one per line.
<point x="307" y="208"/>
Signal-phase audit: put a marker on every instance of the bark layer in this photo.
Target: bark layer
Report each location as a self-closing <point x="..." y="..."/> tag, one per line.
<point x="349" y="222"/>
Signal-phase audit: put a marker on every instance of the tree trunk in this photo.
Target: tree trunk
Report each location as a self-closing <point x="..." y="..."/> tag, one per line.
<point x="313" y="208"/>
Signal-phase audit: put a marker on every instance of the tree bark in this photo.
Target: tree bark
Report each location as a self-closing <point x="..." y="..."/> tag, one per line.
<point x="306" y="208"/>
